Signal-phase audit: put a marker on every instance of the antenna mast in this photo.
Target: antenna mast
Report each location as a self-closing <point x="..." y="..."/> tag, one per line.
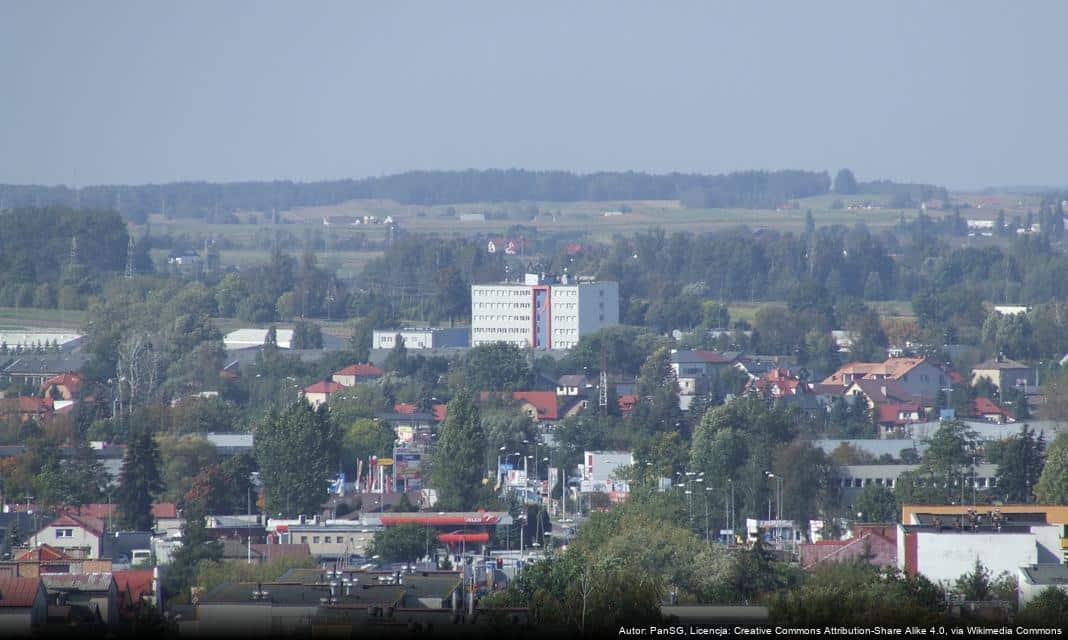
<point x="129" y="258"/>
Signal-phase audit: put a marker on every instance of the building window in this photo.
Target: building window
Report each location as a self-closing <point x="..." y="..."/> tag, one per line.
<point x="315" y="539"/>
<point x="304" y="539"/>
<point x="326" y="539"/>
<point x="64" y="533"/>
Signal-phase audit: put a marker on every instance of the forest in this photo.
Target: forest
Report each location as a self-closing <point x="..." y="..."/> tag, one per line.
<point x="744" y="189"/>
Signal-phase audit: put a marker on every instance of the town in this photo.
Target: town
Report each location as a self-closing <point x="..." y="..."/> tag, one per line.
<point x="689" y="394"/>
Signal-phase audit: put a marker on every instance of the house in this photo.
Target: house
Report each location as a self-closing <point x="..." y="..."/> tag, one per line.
<point x="919" y="378"/>
<point x="355" y="374"/>
<point x="64" y="387"/>
<point x="573" y="385"/>
<point x="319" y="393"/>
<point x="71" y="533"/>
<point x="990" y="411"/>
<point x="777" y="383"/>
<point x="891" y="417"/>
<point x="539" y="405"/>
<point x="697" y="370"/>
<point x="23" y="606"/>
<point x="1004" y="373"/>
<point x="876" y="392"/>
<point x="627" y="402"/>
<point x="95" y="593"/>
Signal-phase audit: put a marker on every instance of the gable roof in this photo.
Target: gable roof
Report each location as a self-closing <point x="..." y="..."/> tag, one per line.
<point x="72" y="381"/>
<point x="897" y="367"/>
<point x="544" y="402"/>
<point x="880" y="391"/>
<point x="888" y="411"/>
<point x="89" y="523"/>
<point x="439" y="411"/>
<point x="136" y="582"/>
<point x="43" y="553"/>
<point x="572" y="380"/>
<point x="323" y="386"/>
<point x="360" y="370"/>
<point x="18" y="592"/>
<point x="404" y="407"/>
<point x="985" y="406"/>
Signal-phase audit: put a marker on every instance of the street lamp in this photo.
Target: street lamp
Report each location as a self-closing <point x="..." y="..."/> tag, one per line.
<point x="778" y="482"/>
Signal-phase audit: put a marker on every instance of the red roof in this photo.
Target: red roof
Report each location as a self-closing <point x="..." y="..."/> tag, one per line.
<point x="627" y="402"/>
<point x="439" y="412"/>
<point x="135" y="584"/>
<point x="72" y="381"/>
<point x="18" y="592"/>
<point x="101" y="511"/>
<point x="986" y="406"/>
<point x="360" y="370"/>
<point x="888" y="411"/>
<point x="404" y="407"/>
<point x="324" y="386"/>
<point x="43" y="553"/>
<point x="89" y="523"/>
<point x="544" y="402"/>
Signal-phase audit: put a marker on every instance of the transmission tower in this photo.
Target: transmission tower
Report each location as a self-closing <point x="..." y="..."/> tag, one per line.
<point x="74" y="250"/>
<point x="129" y="258"/>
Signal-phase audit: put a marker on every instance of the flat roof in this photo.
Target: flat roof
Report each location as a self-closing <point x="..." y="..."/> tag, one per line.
<point x="1046" y="573"/>
<point x="296" y="594"/>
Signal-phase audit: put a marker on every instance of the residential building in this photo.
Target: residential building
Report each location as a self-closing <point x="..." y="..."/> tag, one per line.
<point x="332" y="539"/>
<point x="1004" y="373"/>
<point x="72" y="533"/>
<point x="542" y="313"/>
<point x="917" y="377"/>
<point x="778" y="383"/>
<point x="319" y="393"/>
<point x="355" y="374"/>
<point x="571" y="386"/>
<point x="991" y="411"/>
<point x="541" y="406"/>
<point x="698" y="370"/>
<point x="23" y="606"/>
<point x="419" y="339"/>
<point x="64" y="387"/>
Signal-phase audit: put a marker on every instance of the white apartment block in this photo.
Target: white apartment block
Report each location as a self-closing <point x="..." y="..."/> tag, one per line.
<point x="431" y="338"/>
<point x="541" y="314"/>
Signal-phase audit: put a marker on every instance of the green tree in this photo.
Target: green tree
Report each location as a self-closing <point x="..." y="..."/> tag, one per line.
<point x="182" y="459"/>
<point x="198" y="548"/>
<point x="401" y="543"/>
<point x="1049" y="609"/>
<point x="140" y="481"/>
<point x="1052" y="487"/>
<point x="1020" y="460"/>
<point x="499" y="366"/>
<point x="307" y="335"/>
<point x="975" y="585"/>
<point x="457" y="470"/>
<point x="845" y="183"/>
<point x="876" y="504"/>
<point x="365" y="438"/>
<point x="297" y="453"/>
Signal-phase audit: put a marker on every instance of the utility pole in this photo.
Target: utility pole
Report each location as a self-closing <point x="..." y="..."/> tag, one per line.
<point x="129" y="258"/>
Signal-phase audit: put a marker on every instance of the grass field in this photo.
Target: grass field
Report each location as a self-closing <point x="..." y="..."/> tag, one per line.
<point x="23" y="319"/>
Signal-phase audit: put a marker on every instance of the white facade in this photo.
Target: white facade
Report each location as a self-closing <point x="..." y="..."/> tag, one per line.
<point x="421" y="338"/>
<point x="543" y="316"/>
<point x="244" y="338"/>
<point x="943" y="557"/>
<point x="600" y="470"/>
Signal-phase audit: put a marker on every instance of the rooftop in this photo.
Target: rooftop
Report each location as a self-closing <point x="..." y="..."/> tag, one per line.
<point x="1046" y="573"/>
<point x="18" y="592"/>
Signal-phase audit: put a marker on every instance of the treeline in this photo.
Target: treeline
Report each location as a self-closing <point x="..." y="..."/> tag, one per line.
<point x="219" y="200"/>
<point x="57" y="257"/>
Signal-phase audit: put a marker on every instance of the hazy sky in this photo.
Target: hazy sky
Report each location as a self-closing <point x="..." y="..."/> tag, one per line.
<point x="964" y="94"/>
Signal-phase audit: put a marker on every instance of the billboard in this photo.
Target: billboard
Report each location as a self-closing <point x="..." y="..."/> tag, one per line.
<point x="600" y="466"/>
<point x="407" y="464"/>
<point x="516" y="478"/>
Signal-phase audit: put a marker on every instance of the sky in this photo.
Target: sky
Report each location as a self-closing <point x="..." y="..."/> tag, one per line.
<point x="966" y="94"/>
